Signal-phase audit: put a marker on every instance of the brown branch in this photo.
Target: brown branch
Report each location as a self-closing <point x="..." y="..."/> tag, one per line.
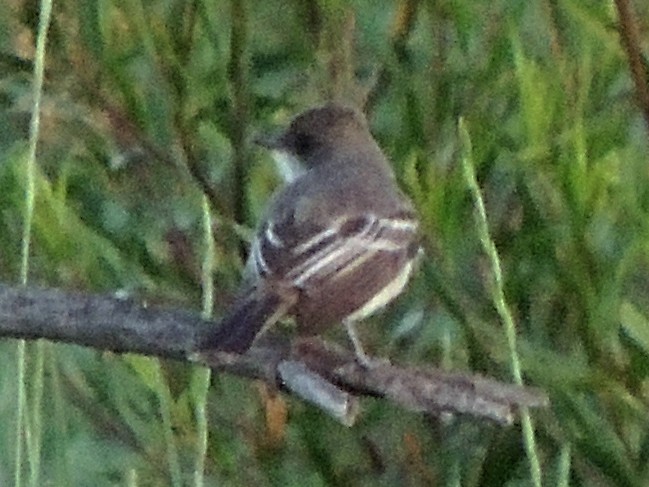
<point x="628" y="30"/>
<point x="101" y="322"/>
<point x="318" y="372"/>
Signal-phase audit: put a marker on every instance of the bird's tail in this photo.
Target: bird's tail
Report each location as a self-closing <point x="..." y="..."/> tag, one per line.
<point x="250" y="315"/>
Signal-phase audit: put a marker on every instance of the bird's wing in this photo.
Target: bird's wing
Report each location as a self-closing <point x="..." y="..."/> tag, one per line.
<point x="301" y="255"/>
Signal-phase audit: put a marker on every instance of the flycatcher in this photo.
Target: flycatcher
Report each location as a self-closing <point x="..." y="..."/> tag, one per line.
<point x="337" y="243"/>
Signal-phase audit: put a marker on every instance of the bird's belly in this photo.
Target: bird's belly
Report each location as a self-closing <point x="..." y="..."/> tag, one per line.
<point x="353" y="295"/>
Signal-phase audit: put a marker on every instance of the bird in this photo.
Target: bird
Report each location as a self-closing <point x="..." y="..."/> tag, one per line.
<point x="337" y="243"/>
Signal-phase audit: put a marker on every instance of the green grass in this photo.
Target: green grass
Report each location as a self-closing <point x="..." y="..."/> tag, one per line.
<point x="148" y="108"/>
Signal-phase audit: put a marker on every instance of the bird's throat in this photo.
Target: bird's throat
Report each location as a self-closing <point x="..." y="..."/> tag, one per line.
<point x="288" y="166"/>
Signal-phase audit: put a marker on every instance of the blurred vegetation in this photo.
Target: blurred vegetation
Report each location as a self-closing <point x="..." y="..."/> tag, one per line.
<point x="149" y="105"/>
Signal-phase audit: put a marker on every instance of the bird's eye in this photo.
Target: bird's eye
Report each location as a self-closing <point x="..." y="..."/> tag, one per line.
<point x="304" y="144"/>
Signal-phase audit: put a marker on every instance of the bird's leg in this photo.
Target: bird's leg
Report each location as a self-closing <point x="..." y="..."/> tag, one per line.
<point x="361" y="356"/>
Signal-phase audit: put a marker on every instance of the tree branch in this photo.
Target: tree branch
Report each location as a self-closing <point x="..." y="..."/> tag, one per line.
<point x="319" y="372"/>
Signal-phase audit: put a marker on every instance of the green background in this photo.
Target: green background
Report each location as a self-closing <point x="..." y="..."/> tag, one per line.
<point x="148" y="105"/>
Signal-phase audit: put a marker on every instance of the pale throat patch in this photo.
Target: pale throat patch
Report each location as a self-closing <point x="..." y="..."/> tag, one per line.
<point x="288" y="166"/>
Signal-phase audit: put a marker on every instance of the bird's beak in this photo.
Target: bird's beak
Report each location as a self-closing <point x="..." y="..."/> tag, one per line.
<point x="268" y="141"/>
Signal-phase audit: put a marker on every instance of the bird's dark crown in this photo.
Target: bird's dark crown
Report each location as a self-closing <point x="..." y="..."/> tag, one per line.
<point x="323" y="128"/>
